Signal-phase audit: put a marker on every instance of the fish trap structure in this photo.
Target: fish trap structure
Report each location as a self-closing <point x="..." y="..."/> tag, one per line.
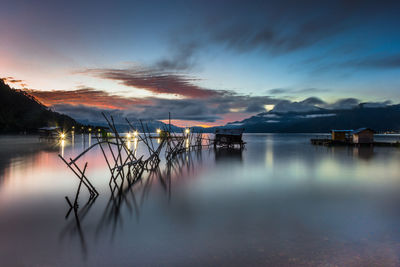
<point x="125" y="167"/>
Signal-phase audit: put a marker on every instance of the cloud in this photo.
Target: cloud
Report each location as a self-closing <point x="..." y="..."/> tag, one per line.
<point x="88" y="97"/>
<point x="14" y="81"/>
<point x="376" y="104"/>
<point x="313" y="101"/>
<point x="85" y="103"/>
<point x="314" y="104"/>
<point x="181" y="57"/>
<point x="278" y="91"/>
<point x="309" y="104"/>
<point x="285" y="26"/>
<point x="155" y="81"/>
<point x="370" y="62"/>
<point x="288" y="91"/>
<point x="375" y="62"/>
<point x="345" y="103"/>
<point x="180" y="110"/>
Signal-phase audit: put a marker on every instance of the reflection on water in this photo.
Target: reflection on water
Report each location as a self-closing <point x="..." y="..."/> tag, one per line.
<point x="280" y="201"/>
<point x="364" y="152"/>
<point x="62" y="147"/>
<point x="228" y="154"/>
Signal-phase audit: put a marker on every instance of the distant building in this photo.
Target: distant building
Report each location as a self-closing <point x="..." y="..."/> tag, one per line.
<point x="363" y="136"/>
<point x="49" y="132"/>
<point x="342" y="135"/>
<point x="359" y="136"/>
<point x="228" y="137"/>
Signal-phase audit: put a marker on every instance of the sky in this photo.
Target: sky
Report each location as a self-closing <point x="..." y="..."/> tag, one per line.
<point x="205" y="62"/>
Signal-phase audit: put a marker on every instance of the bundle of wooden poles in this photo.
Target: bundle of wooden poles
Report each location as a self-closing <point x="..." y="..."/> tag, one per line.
<point x="122" y="162"/>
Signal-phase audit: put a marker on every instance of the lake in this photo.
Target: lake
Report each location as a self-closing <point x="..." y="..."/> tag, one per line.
<point x="278" y="202"/>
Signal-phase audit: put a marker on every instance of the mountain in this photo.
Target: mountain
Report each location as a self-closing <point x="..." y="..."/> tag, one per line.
<point x="20" y="112"/>
<point x="321" y="120"/>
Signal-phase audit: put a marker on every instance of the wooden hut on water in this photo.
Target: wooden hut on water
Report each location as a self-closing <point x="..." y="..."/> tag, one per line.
<point x="349" y="137"/>
<point x="228" y="137"/>
<point x="49" y="132"/>
<point x="341" y="135"/>
<point x="363" y="136"/>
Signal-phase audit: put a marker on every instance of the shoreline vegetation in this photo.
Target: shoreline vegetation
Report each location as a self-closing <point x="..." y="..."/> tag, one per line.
<point x="22" y="113"/>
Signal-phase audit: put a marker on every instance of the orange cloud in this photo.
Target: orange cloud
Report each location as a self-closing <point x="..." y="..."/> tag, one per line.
<point x="88" y="97"/>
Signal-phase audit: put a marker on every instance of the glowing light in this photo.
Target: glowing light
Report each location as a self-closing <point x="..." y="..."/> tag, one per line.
<point x="237" y="109"/>
<point x="135" y="133"/>
<point x="269" y="107"/>
<point x="187" y="130"/>
<point x="62" y="136"/>
<point x="128" y="136"/>
<point x="90" y="129"/>
<point x="158" y="131"/>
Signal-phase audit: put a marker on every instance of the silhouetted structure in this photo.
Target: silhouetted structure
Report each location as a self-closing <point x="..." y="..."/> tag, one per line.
<point x="228" y="137"/>
<point x="363" y="136"/>
<point x="341" y="135"/>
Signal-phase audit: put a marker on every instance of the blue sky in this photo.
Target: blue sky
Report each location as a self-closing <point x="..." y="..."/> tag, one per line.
<point x="225" y="58"/>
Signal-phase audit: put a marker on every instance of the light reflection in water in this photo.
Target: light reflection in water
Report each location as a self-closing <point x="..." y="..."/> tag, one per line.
<point x="73" y="139"/>
<point x="317" y="201"/>
<point x="269" y="156"/>
<point x="62" y="147"/>
<point x="135" y="145"/>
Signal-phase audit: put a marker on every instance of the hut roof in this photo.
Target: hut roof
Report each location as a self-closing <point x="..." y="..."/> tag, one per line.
<point x="342" y="131"/>
<point x="49" y="128"/>
<point x="362" y="130"/>
<point x="238" y="131"/>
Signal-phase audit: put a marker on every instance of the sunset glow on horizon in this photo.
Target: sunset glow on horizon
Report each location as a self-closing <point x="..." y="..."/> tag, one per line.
<point x="195" y="60"/>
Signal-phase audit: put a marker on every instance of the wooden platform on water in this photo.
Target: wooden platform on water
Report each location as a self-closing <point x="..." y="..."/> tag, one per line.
<point x="330" y="142"/>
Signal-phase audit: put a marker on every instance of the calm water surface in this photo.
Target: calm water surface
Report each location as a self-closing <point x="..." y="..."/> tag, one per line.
<point x="280" y="202"/>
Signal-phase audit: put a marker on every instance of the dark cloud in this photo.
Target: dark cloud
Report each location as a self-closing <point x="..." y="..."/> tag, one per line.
<point x="371" y="62"/>
<point x="87" y="103"/>
<point x="155" y="81"/>
<point x="313" y="101"/>
<point x="181" y="58"/>
<point x="345" y="103"/>
<point x="376" y="104"/>
<point x="376" y="62"/>
<point x="180" y="110"/>
<point x="207" y="110"/>
<point x="287" y="26"/>
<point x="309" y="104"/>
<point x="315" y="104"/>
<point x="288" y="91"/>
<point x="278" y="91"/>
